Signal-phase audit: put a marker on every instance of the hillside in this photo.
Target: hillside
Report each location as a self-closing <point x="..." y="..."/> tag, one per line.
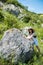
<point x="14" y="15"/>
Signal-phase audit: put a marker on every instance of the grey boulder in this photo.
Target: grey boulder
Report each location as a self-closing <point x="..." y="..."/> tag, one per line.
<point x="15" y="46"/>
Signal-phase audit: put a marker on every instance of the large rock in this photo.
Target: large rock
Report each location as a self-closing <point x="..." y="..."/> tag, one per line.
<point x="14" y="46"/>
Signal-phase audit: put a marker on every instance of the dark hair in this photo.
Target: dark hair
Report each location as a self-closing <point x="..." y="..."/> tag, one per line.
<point x="31" y="30"/>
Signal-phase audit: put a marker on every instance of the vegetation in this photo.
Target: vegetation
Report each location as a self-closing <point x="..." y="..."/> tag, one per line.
<point x="8" y="21"/>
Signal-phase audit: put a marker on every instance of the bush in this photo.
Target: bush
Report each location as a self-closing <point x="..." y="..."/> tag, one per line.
<point x="26" y="19"/>
<point x="3" y="0"/>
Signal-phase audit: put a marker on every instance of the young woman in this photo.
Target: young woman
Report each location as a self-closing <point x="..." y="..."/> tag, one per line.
<point x="33" y="37"/>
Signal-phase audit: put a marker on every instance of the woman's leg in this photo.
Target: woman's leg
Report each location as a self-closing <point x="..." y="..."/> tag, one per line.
<point x="38" y="48"/>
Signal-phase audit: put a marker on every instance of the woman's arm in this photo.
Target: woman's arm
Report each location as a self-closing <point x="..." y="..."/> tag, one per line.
<point x="30" y="37"/>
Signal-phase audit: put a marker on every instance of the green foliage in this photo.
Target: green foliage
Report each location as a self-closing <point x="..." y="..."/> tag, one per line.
<point x="26" y="19"/>
<point x="1" y="17"/>
<point x="9" y="21"/>
<point x="3" y="0"/>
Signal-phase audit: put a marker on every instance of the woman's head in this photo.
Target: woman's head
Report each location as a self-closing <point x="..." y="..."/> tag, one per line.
<point x="31" y="31"/>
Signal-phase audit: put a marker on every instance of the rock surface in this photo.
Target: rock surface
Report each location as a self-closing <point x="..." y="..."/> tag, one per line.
<point x="25" y="31"/>
<point x="14" y="46"/>
<point x="12" y="9"/>
<point x="1" y="4"/>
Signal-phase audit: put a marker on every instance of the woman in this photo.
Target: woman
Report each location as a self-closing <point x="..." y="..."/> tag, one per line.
<point x="33" y="37"/>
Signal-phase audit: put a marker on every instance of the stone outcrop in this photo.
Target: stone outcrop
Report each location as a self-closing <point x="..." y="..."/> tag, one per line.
<point x="1" y="4"/>
<point x="12" y="9"/>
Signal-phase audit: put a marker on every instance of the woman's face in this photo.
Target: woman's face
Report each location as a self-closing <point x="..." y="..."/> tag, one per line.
<point x="30" y="31"/>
